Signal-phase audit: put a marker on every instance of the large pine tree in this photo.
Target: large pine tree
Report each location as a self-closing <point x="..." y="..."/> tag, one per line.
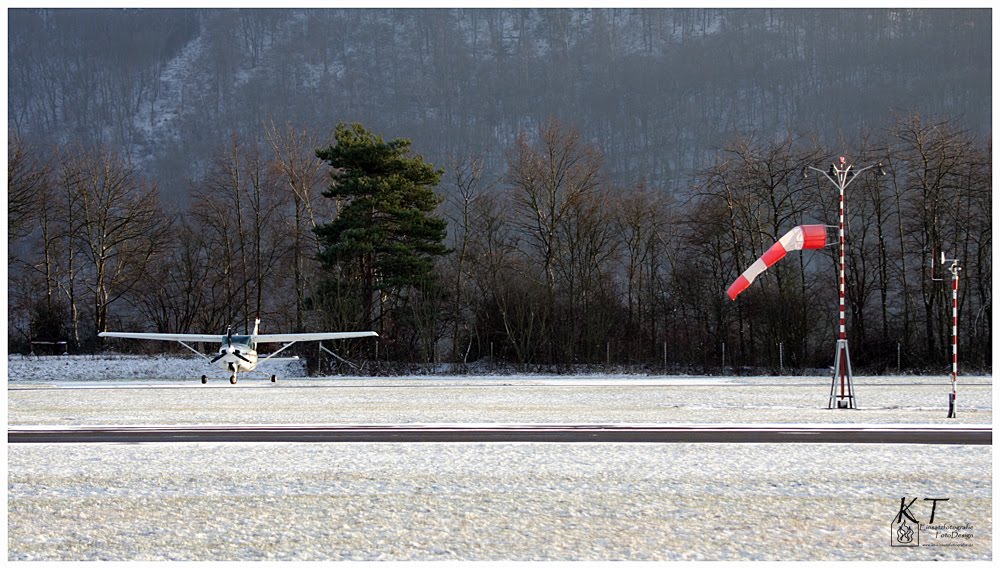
<point x="382" y="244"/>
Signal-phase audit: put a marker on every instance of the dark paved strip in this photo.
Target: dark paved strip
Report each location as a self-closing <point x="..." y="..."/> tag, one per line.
<point x="423" y="384"/>
<point x="561" y="433"/>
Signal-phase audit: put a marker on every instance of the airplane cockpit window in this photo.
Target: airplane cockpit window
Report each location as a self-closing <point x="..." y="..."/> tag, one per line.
<point x="241" y="340"/>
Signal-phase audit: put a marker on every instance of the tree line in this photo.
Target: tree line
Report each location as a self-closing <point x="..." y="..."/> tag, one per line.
<point x="550" y="264"/>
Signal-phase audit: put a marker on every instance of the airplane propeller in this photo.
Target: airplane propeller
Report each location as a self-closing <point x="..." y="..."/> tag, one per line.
<point x="231" y="350"/>
<point x="226" y="353"/>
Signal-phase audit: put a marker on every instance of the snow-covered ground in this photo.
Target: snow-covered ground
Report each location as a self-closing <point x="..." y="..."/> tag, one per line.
<point x="143" y="390"/>
<point x="127" y="368"/>
<point x="432" y="501"/>
<point x="470" y="501"/>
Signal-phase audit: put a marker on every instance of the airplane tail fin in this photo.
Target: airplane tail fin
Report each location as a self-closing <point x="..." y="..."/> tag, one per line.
<point x="256" y="325"/>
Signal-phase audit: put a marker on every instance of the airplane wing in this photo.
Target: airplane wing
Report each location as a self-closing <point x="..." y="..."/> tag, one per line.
<point x="309" y="337"/>
<point x="217" y="338"/>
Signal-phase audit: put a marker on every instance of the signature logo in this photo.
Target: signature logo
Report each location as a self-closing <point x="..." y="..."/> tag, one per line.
<point x="906" y="526"/>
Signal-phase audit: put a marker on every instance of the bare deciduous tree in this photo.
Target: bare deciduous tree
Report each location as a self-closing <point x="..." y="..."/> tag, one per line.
<point x="119" y="225"/>
<point x="551" y="180"/>
<point x="240" y="211"/>
<point x="27" y="179"/>
<point x="468" y="187"/>
<point x="301" y="172"/>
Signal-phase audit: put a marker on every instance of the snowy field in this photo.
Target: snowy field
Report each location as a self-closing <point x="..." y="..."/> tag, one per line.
<point x="142" y="390"/>
<point x="490" y="502"/>
<point x="130" y="368"/>
<point x="472" y="501"/>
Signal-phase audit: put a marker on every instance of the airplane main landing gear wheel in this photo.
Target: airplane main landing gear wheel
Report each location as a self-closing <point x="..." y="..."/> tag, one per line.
<point x="204" y="379"/>
<point x="232" y="379"/>
<point x="274" y="378"/>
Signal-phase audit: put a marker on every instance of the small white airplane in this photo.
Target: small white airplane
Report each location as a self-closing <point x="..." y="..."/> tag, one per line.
<point x="238" y="353"/>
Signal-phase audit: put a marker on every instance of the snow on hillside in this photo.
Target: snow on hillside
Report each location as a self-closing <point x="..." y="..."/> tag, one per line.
<point x="157" y="119"/>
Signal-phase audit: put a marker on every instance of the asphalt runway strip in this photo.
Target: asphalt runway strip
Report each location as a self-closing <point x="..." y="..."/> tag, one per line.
<point x="496" y="433"/>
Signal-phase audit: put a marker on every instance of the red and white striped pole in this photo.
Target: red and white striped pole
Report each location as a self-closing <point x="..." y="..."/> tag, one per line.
<point x="841" y="175"/>
<point x="843" y="270"/>
<point x="843" y="285"/>
<point x="953" y="398"/>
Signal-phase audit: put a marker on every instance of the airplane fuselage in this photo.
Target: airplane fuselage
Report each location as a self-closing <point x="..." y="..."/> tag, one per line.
<point x="231" y="362"/>
<point x="238" y="356"/>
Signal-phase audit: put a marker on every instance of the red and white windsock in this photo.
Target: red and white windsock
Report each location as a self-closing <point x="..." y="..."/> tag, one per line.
<point x="800" y="237"/>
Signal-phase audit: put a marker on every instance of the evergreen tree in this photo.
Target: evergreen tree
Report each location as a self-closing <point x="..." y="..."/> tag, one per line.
<point x="382" y="244"/>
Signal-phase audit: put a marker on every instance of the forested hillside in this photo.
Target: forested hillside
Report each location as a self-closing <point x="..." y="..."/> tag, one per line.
<point x="659" y="90"/>
<point x="606" y="175"/>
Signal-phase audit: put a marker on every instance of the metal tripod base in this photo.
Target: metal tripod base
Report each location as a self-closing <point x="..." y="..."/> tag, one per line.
<point x="842" y="370"/>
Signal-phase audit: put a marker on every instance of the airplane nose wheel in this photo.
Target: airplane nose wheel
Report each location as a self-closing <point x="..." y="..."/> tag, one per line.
<point x="274" y="378"/>
<point x="204" y="379"/>
<point x="232" y="379"/>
